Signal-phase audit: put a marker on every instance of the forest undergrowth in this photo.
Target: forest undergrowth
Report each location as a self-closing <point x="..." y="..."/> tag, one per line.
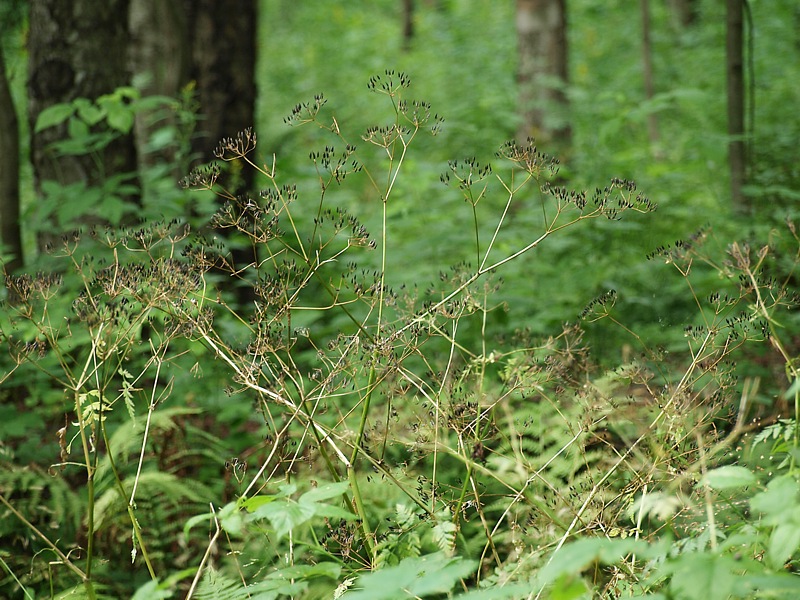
<point x="314" y="424"/>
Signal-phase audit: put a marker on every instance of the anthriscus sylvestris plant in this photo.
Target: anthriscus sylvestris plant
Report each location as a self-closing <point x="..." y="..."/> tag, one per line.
<point x="400" y="434"/>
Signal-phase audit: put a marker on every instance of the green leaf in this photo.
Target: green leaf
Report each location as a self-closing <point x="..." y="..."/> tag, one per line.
<point x="325" y="492"/>
<point x="568" y="588"/>
<point x="413" y="577"/>
<point x="126" y="391"/>
<point x="230" y="518"/>
<point x="77" y="129"/>
<point x="90" y="113"/>
<point x="152" y="590"/>
<point x="119" y="117"/>
<point x="728" y="476"/>
<point x="323" y="569"/>
<point x="781" y="493"/>
<point x="284" y="515"/>
<point x="783" y="543"/>
<point x="507" y="592"/>
<point x="574" y="557"/>
<point x="53" y="115"/>
<point x="195" y="520"/>
<point x="701" y="576"/>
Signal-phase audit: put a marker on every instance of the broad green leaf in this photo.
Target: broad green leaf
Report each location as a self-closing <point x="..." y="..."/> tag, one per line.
<point x="119" y="117"/>
<point x="152" y="590"/>
<point x="781" y="493"/>
<point x="77" y="129"/>
<point x="332" y="512"/>
<point x="252" y="504"/>
<point x="53" y="115"/>
<point x="568" y="588"/>
<point x="231" y="519"/>
<point x="572" y="558"/>
<point x="783" y="543"/>
<point x="507" y="592"/>
<point x="284" y="515"/>
<point x="702" y="576"/>
<point x="728" y="476"/>
<point x="205" y="518"/>
<point x="90" y="113"/>
<point x="323" y="569"/>
<point x="777" y="582"/>
<point x="413" y="577"/>
<point x="325" y="492"/>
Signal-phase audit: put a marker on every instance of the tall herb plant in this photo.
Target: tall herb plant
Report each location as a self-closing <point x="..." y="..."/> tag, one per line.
<point x="402" y="436"/>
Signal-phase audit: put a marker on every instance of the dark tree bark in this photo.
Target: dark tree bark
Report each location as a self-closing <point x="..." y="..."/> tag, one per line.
<point x="160" y="60"/>
<point x="685" y="11"/>
<point x="542" y="72"/>
<point x="76" y="49"/>
<point x="647" y="72"/>
<point x="10" y="235"/>
<point x="408" y="23"/>
<point x="223" y="50"/>
<point x="737" y="155"/>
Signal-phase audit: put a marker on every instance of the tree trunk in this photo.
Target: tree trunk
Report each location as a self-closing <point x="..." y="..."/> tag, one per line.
<point x="685" y="11"/>
<point x="408" y="24"/>
<point x="734" y="59"/>
<point x="223" y="51"/>
<point x="542" y="72"/>
<point x="160" y="60"/>
<point x="647" y="72"/>
<point x="10" y="236"/>
<point x="76" y="49"/>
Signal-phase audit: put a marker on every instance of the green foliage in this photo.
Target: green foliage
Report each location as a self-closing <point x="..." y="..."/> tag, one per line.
<point x="402" y="410"/>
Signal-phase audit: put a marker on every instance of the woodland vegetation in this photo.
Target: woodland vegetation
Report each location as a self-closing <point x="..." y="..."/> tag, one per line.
<point x="387" y="300"/>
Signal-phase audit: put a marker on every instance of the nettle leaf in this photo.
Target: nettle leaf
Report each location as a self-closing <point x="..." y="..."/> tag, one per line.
<point x="284" y="515"/>
<point x="252" y="504"/>
<point x="54" y="115"/>
<point x="575" y="557"/>
<point x="784" y="541"/>
<point x="413" y="577"/>
<point x="323" y="569"/>
<point x="781" y="495"/>
<point x="728" y="476"/>
<point x="702" y="576"/>
<point x="325" y="492"/>
<point x="506" y="592"/>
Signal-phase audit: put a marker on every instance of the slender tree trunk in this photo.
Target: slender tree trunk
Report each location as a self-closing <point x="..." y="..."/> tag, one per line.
<point x="408" y="24"/>
<point x="223" y="40"/>
<point x="223" y="51"/>
<point x="10" y="235"/>
<point x="542" y="72"/>
<point x="160" y="59"/>
<point x="76" y="49"/>
<point x="647" y="72"/>
<point x="685" y="11"/>
<point x="737" y="158"/>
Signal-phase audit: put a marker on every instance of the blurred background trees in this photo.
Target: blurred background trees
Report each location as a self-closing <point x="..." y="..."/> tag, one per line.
<point x="642" y="96"/>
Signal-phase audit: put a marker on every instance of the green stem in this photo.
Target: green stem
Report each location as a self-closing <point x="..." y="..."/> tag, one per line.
<point x="366" y="531"/>
<point x="137" y="532"/>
